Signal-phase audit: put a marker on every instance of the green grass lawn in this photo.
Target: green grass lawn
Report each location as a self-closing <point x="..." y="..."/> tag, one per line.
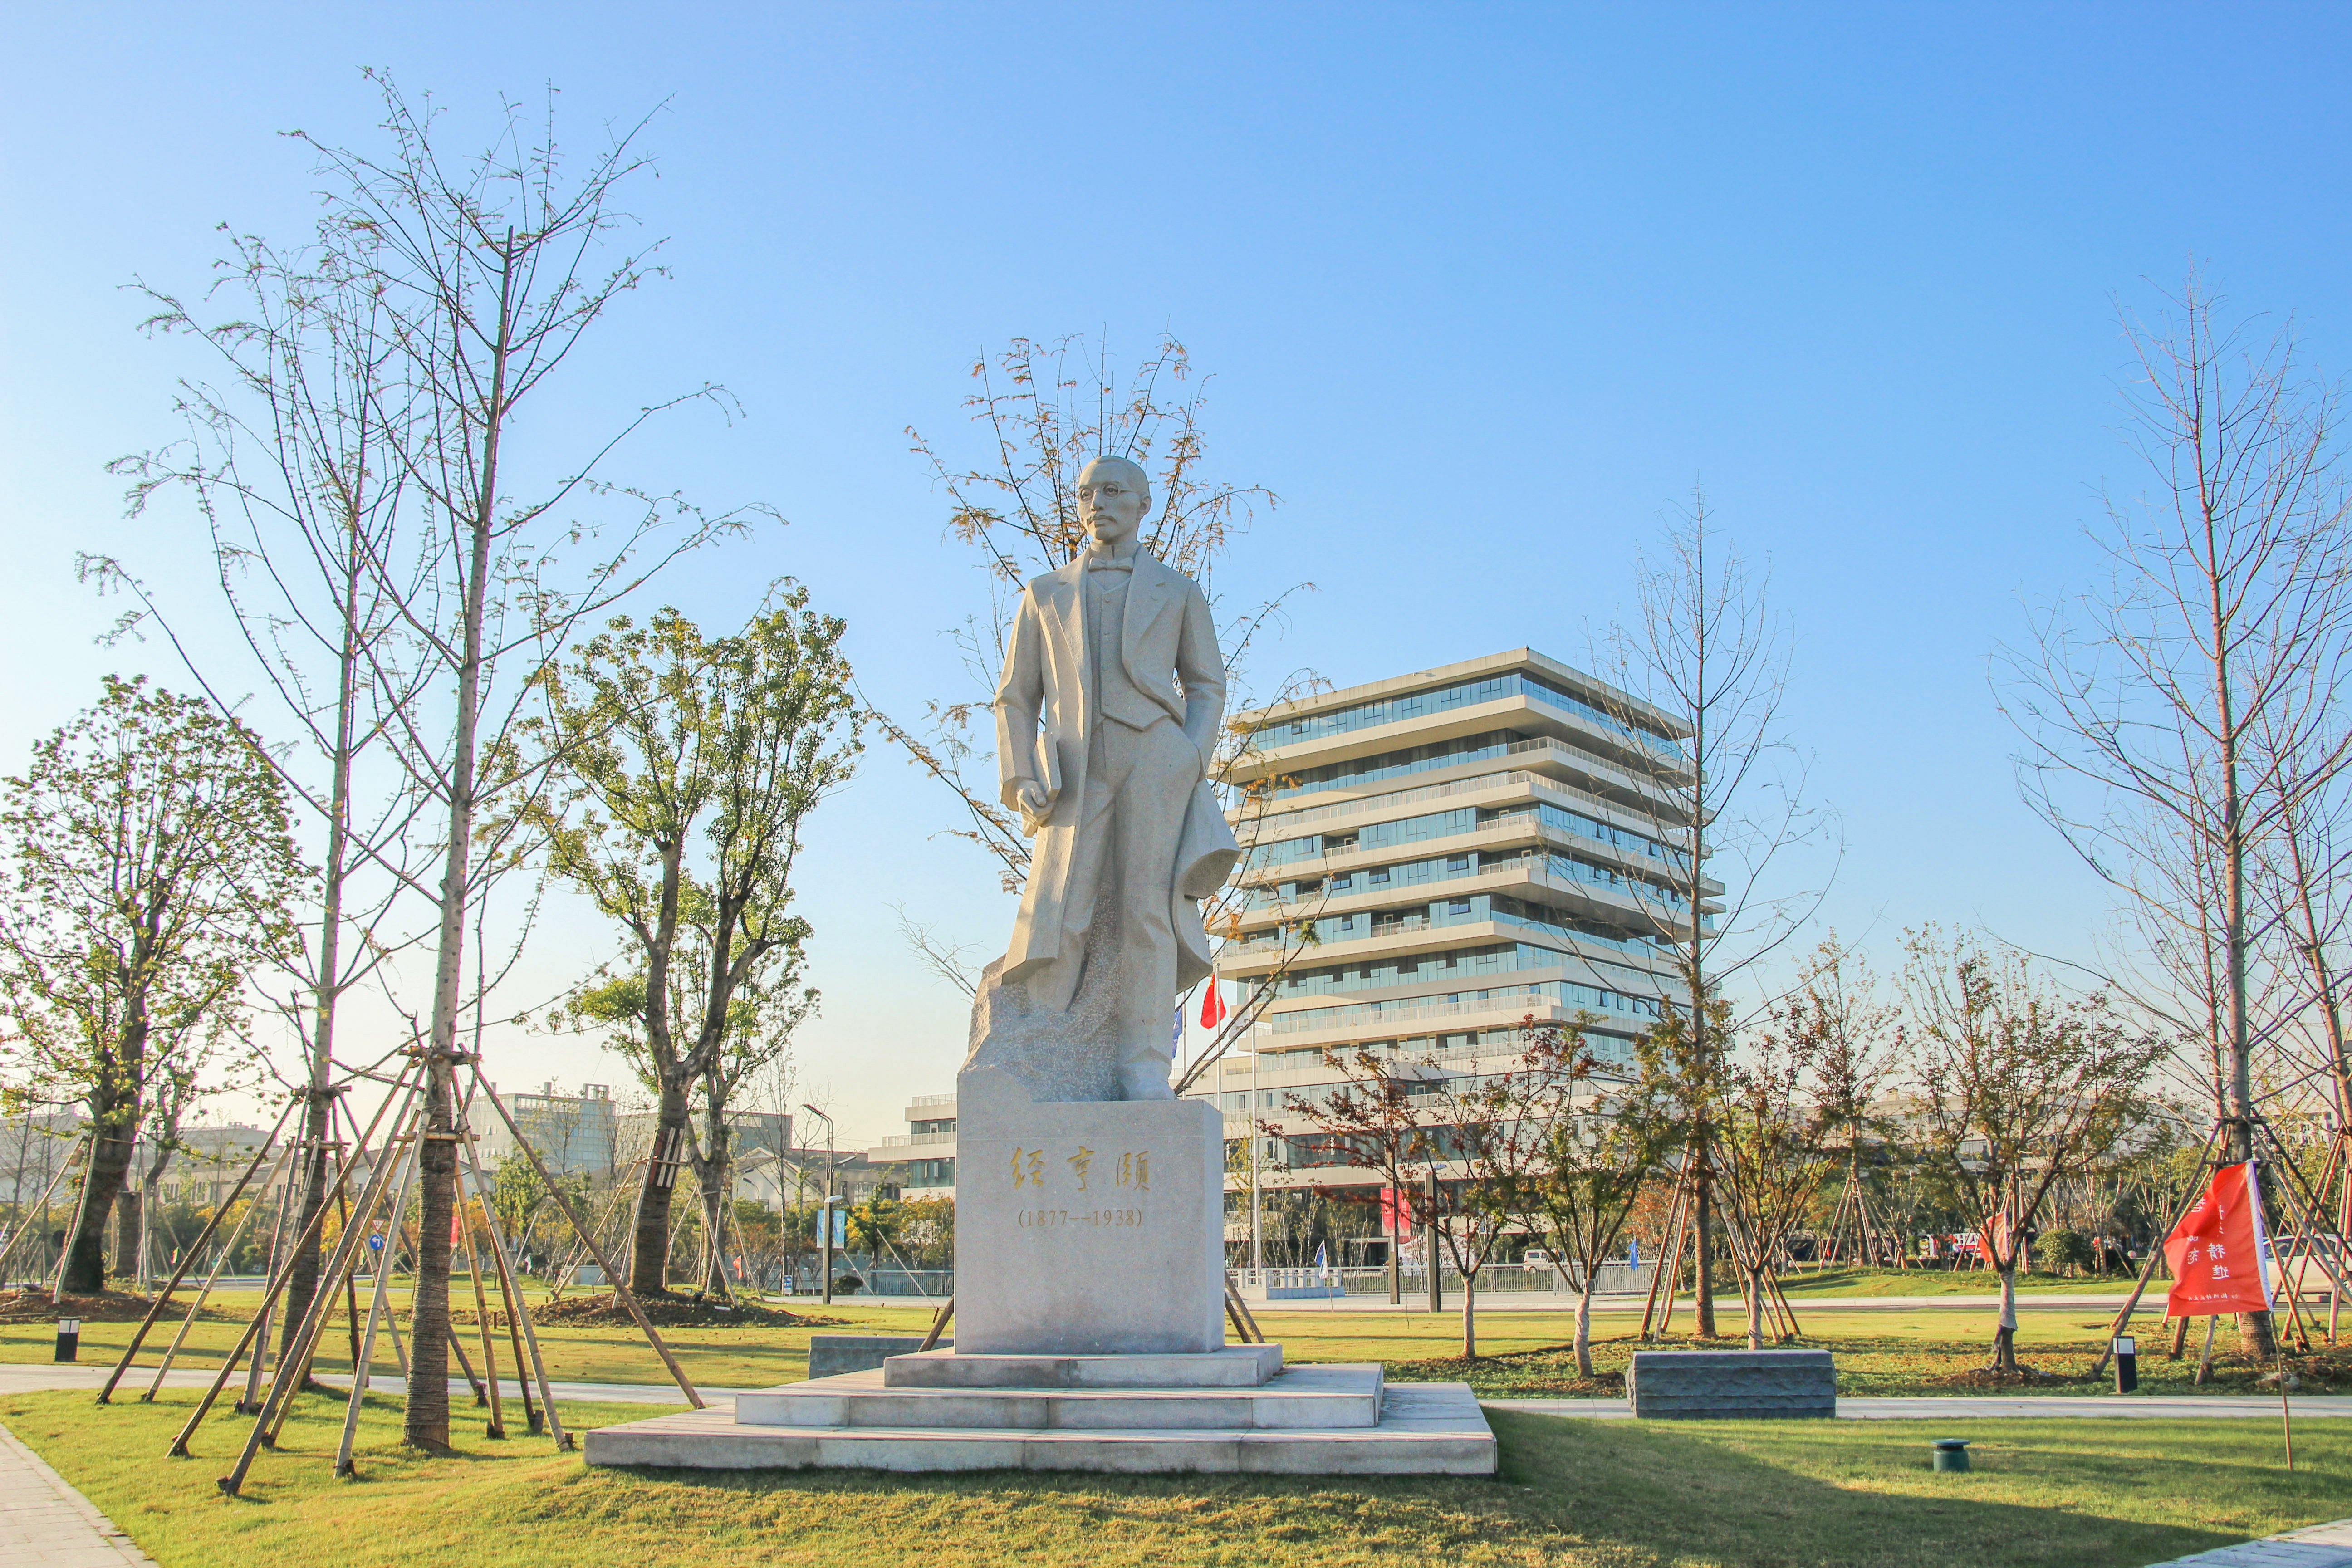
<point x="1573" y="1494"/>
<point x="1938" y="1282"/>
<point x="1934" y="1350"/>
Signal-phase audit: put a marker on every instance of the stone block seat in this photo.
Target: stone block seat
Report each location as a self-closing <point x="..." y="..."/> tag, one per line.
<point x="1234" y="1410"/>
<point x="1732" y="1386"/>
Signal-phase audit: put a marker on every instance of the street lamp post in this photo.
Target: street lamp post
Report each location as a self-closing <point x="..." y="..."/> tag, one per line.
<point x="825" y="1210"/>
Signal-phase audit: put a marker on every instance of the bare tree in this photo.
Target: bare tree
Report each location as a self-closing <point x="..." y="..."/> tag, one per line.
<point x="492" y="269"/>
<point x="2017" y="1090"/>
<point x="292" y="464"/>
<point x="1707" y="663"/>
<point x="2176" y="718"/>
<point x="1456" y="1150"/>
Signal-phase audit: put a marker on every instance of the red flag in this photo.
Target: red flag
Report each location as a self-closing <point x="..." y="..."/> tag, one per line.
<point x="1212" y="1007"/>
<point x="2216" y="1250"/>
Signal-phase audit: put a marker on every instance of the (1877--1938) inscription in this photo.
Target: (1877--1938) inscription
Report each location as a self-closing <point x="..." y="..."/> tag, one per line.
<point x="1100" y="1219"/>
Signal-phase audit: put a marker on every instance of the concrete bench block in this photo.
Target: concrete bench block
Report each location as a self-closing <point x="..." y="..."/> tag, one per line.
<point x="1732" y="1386"/>
<point x="832" y="1354"/>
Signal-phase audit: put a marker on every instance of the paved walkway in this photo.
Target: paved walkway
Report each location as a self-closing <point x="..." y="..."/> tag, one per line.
<point x="1964" y="1407"/>
<point x="2318" y="1546"/>
<point x="44" y="1523"/>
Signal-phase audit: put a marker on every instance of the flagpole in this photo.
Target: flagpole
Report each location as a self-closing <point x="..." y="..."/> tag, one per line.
<point x="2262" y="1273"/>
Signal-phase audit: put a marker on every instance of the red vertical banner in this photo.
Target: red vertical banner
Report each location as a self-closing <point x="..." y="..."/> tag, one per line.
<point x="1212" y="1007"/>
<point x="2217" y="1251"/>
<point x="1396" y="1214"/>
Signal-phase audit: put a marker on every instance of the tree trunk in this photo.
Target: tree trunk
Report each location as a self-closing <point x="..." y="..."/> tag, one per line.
<point x="2257" y="1332"/>
<point x="715" y="1281"/>
<point x="302" y="1269"/>
<point x="1470" y="1315"/>
<point x="2004" y="1337"/>
<point x="1703" y="1224"/>
<point x="130" y="1207"/>
<point x="1584" y="1324"/>
<point x="102" y="1185"/>
<point x="649" y="1255"/>
<point x="1753" y="1279"/>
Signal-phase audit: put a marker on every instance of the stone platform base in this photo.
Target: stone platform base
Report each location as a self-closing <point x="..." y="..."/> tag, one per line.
<point x="1424" y="1429"/>
<point x="1230" y="1411"/>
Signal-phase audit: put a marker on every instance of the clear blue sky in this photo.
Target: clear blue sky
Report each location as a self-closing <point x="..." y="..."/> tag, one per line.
<point x="1484" y="288"/>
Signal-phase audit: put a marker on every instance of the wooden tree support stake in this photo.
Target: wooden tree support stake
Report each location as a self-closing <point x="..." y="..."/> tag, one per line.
<point x="195" y="1250"/>
<point x="26" y="1227"/>
<point x="939" y="1321"/>
<point x="572" y="1215"/>
<point x="519" y="1317"/>
<point x="179" y="1447"/>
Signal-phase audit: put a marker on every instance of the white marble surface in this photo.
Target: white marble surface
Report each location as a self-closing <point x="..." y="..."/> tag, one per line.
<point x="1087" y="1227"/>
<point x="2316" y="1546"/>
<point x="1334" y="1395"/>
<point x="1429" y="1428"/>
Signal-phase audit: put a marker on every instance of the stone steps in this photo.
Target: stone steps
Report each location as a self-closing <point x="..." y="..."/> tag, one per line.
<point x="1233" y="1366"/>
<point x="1428" y="1428"/>
<point x="1314" y="1397"/>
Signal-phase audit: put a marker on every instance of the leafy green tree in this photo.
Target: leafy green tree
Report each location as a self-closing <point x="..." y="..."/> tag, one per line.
<point x="875" y="1225"/>
<point x="150" y="873"/>
<point x="691" y="764"/>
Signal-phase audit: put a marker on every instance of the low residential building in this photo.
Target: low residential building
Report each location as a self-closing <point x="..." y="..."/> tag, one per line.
<point x="920" y="1162"/>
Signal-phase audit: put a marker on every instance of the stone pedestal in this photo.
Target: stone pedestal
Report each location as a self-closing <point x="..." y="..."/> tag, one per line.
<point x="1087" y="1227"/>
<point x="1234" y="1411"/>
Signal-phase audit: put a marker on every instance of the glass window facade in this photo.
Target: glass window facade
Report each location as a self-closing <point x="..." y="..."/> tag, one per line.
<point x="1466" y="694"/>
<point x="1461" y="819"/>
<point x="1375" y="1015"/>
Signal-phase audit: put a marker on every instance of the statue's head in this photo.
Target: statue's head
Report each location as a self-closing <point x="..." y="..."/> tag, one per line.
<point x="1113" y="495"/>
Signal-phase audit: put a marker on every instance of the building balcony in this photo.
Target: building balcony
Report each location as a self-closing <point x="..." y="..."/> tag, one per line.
<point x="1605" y="742"/>
<point x="903" y="1146"/>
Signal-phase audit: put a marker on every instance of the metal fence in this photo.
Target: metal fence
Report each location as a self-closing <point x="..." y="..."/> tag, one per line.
<point x="1497" y="1279"/>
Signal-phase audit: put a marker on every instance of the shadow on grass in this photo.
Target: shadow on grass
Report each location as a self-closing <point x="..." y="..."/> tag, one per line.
<point x="1572" y="1494"/>
<point x="1649" y="1494"/>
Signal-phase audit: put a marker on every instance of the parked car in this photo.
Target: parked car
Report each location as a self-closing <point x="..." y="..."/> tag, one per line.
<point x="2301" y="1265"/>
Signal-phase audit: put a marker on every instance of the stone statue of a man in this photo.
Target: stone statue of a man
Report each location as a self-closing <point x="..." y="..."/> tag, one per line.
<point x="1106" y="718"/>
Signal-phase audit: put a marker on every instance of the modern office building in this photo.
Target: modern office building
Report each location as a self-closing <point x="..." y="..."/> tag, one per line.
<point x="1431" y="859"/>
<point x="569" y="1131"/>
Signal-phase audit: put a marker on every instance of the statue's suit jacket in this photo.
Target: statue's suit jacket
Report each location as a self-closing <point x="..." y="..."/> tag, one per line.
<point x="1047" y="685"/>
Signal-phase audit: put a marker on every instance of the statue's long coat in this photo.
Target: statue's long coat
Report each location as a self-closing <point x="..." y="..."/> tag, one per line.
<point x="1047" y="681"/>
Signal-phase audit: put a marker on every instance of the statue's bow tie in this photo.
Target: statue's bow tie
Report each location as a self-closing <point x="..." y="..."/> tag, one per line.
<point x="1110" y="565"/>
